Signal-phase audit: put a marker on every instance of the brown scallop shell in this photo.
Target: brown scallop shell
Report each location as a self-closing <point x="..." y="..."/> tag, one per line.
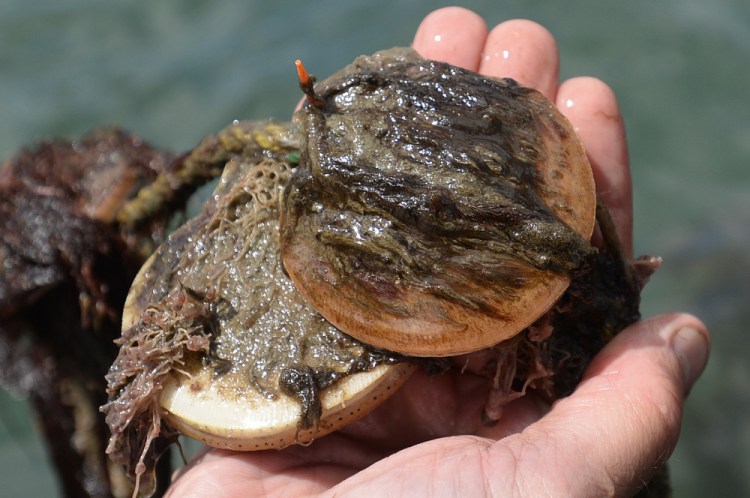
<point x="435" y="211"/>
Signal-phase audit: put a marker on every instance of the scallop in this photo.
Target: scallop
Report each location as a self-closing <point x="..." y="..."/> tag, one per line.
<point x="257" y="367"/>
<point x="435" y="211"/>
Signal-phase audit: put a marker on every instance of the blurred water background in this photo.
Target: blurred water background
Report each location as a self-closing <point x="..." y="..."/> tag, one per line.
<point x="176" y="71"/>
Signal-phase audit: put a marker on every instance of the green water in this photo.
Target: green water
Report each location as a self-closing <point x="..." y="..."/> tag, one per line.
<point x="174" y="72"/>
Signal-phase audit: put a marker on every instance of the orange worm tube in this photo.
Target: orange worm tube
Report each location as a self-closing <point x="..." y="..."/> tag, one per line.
<point x="304" y="78"/>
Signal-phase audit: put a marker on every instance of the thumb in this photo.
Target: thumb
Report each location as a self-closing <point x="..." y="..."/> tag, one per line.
<point x="623" y="420"/>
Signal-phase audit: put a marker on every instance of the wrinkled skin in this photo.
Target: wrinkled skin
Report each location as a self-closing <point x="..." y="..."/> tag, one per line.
<point x="605" y="439"/>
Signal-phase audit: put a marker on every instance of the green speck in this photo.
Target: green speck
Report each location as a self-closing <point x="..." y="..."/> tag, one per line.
<point x="293" y="157"/>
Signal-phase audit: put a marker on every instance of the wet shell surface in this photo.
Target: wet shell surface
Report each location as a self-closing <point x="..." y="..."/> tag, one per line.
<point x="262" y="368"/>
<point x="435" y="211"/>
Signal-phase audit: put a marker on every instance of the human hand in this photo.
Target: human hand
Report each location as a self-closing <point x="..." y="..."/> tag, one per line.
<point x="605" y="439"/>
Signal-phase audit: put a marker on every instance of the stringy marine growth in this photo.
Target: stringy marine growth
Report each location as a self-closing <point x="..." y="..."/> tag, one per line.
<point x="65" y="269"/>
<point x="149" y="351"/>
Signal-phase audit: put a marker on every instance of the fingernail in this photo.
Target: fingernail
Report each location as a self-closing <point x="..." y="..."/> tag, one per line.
<point x="691" y="347"/>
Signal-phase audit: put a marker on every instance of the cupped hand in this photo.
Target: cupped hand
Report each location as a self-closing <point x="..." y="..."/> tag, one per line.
<point x="605" y="439"/>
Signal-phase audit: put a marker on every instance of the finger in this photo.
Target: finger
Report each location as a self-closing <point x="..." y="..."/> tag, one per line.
<point x="454" y="35"/>
<point x="525" y="51"/>
<point x="625" y="415"/>
<point x="592" y="108"/>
